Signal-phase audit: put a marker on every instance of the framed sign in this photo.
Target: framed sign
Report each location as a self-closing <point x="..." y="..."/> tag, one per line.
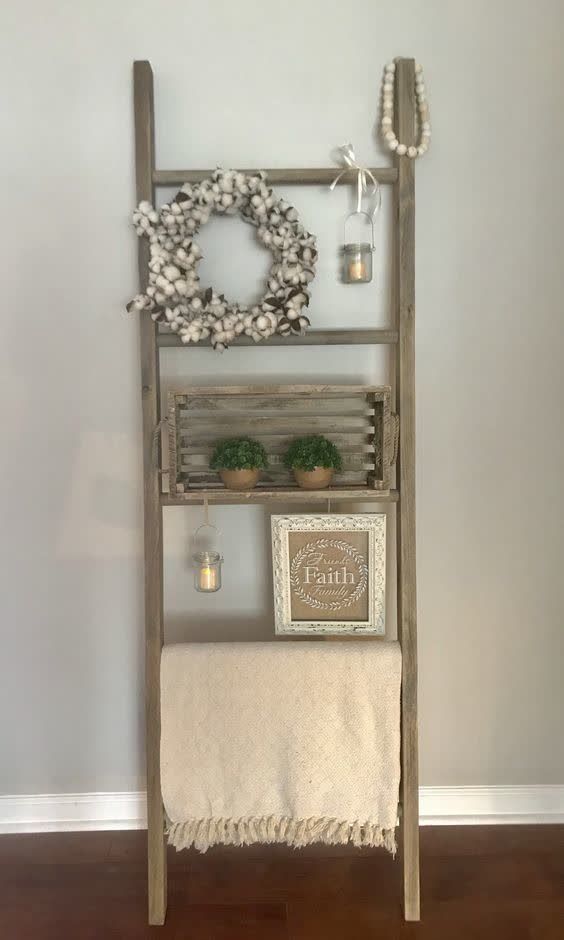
<point x="329" y="573"/>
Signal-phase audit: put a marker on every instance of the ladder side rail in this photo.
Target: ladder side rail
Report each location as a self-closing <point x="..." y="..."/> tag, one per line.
<point x="153" y="529"/>
<point x="406" y="570"/>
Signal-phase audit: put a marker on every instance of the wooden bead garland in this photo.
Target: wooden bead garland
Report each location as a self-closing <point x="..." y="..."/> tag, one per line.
<point x="174" y="295"/>
<point x="388" y="114"/>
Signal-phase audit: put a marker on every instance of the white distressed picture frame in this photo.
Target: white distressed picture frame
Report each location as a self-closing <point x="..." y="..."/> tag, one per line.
<point x="374" y="524"/>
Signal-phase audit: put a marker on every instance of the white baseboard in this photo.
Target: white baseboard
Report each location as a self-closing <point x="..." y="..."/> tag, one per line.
<point x="459" y="806"/>
<point x="439" y="806"/>
<point x="72" y="812"/>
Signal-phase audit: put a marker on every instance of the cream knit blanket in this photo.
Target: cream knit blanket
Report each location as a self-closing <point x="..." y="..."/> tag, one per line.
<point x="293" y="742"/>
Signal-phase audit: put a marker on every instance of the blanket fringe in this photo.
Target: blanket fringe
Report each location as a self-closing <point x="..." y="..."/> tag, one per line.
<point x="203" y="833"/>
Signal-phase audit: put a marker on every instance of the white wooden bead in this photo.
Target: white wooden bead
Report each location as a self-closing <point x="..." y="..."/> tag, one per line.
<point x="391" y="67"/>
<point x="386" y="121"/>
<point x="393" y="144"/>
<point x="388" y="87"/>
<point x="418" y="68"/>
<point x="389" y="135"/>
<point x="401" y="150"/>
<point x="412" y="152"/>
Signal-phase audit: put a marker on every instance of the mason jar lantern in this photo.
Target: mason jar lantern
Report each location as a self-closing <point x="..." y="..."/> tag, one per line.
<point x="207" y="560"/>
<point x="207" y="572"/>
<point x="357" y="256"/>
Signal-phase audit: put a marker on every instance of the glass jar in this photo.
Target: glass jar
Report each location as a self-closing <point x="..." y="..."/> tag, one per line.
<point x="357" y="263"/>
<point x="207" y="572"/>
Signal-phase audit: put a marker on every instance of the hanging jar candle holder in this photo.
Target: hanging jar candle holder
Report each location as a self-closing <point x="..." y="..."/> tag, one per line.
<point x="207" y="572"/>
<point x="357" y="256"/>
<point x="207" y="561"/>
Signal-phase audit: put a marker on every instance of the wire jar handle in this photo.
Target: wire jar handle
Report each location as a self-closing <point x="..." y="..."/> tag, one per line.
<point x="370" y="218"/>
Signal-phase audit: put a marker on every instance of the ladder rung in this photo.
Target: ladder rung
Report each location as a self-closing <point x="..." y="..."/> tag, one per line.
<point x="311" y="338"/>
<point x="281" y="494"/>
<point x="320" y="176"/>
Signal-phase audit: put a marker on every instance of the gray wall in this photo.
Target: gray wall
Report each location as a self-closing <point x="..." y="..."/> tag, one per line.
<point x="268" y="83"/>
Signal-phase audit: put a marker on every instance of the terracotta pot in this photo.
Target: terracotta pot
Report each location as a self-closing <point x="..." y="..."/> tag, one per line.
<point x="317" y="479"/>
<point x="239" y="479"/>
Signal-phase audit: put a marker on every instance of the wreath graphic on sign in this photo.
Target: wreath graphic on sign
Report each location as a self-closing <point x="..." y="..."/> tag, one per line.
<point x="174" y="296"/>
<point x="329" y="605"/>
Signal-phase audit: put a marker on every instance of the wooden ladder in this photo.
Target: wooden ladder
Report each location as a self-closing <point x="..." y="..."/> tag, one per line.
<point x="402" y="177"/>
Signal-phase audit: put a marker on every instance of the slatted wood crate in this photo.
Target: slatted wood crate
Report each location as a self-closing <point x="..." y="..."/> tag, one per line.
<point x="356" y="418"/>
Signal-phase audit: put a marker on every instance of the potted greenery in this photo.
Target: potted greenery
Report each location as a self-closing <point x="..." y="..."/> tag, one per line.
<point x="239" y="461"/>
<point x="313" y="459"/>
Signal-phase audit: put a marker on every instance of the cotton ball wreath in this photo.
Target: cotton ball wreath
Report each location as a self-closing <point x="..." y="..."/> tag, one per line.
<point x="174" y="295"/>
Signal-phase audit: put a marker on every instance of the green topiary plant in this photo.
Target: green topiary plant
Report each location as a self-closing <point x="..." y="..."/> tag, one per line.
<point x="306" y="453"/>
<point x="238" y="453"/>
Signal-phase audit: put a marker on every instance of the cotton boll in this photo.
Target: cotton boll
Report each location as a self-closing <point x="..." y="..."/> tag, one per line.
<point x="180" y="286"/>
<point x="196" y="303"/>
<point x="171" y="272"/>
<point x="174" y="327"/>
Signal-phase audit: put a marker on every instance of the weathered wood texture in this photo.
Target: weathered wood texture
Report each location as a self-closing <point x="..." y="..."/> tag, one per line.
<point x="281" y="494"/>
<point x="311" y="338"/>
<point x="356" y="418"/>
<point x="406" y="579"/>
<point x="307" y="176"/>
<point x="144" y="159"/>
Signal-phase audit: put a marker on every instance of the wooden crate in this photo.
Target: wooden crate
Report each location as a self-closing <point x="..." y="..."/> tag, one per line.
<point x="356" y="418"/>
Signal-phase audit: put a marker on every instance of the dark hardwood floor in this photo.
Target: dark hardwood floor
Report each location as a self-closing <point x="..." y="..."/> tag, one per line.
<point x="502" y="882"/>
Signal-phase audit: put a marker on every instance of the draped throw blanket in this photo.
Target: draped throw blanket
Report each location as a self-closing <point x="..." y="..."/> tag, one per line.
<point x="293" y="742"/>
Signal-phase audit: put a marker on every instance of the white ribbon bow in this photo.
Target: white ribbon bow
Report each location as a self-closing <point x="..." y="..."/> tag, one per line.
<point x="363" y="175"/>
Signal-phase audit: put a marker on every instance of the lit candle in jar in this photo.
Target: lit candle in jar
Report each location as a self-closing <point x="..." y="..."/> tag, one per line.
<point x="208" y="580"/>
<point x="357" y="263"/>
<point x="207" y="574"/>
<point x="357" y="270"/>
